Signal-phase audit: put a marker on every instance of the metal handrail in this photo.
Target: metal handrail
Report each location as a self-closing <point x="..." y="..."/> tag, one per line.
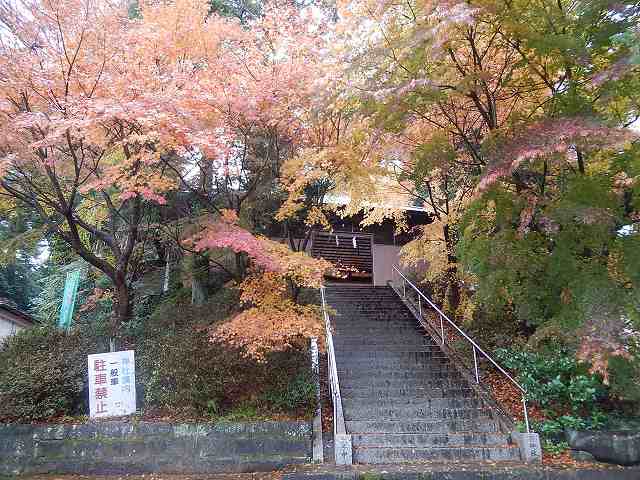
<point x="476" y="347"/>
<point x="338" y="414"/>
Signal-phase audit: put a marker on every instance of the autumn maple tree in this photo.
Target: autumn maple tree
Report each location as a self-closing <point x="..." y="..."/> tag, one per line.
<point x="73" y="149"/>
<point x="509" y="123"/>
<point x="273" y="319"/>
<point x="103" y="115"/>
<point x="464" y="104"/>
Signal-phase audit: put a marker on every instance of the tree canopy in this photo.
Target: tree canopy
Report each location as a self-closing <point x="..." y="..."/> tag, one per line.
<point x="190" y="128"/>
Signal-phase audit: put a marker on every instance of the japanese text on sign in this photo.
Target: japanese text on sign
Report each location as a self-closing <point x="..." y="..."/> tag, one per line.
<point x="112" y="384"/>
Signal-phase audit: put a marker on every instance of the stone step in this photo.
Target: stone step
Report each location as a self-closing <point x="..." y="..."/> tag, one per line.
<point x="355" y="287"/>
<point x="384" y="308"/>
<point x="367" y="302"/>
<point x="376" y="335"/>
<point x="422" y="426"/>
<point x="388" y="327"/>
<point x="360" y="294"/>
<point x="378" y="318"/>
<point x="358" y="321"/>
<point x="371" y="290"/>
<point x="377" y="328"/>
<point x="363" y="301"/>
<point x="378" y="455"/>
<point x="392" y="355"/>
<point x="367" y="366"/>
<point x="369" y="381"/>
<point x="430" y="395"/>
<point x="363" y="365"/>
<point x="428" y="439"/>
<point x="389" y="349"/>
<point x="387" y="306"/>
<point x="416" y="413"/>
<point x="441" y="402"/>
<point x="424" y="391"/>
<point x="387" y="345"/>
<point x="367" y="329"/>
<point x="417" y="374"/>
<point x="433" y="363"/>
<point x="381" y="303"/>
<point x="390" y="336"/>
<point x="373" y="340"/>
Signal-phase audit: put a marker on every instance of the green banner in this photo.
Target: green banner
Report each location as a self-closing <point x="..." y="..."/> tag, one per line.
<point x="69" y="299"/>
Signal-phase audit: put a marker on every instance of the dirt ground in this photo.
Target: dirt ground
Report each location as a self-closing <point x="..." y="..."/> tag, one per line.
<point x="153" y="476"/>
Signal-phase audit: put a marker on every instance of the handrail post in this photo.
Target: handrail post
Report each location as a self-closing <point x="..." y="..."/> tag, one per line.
<point x="526" y="414"/>
<point x="475" y="364"/>
<point x="404" y="288"/>
<point x="420" y="306"/>
<point x="442" y="328"/>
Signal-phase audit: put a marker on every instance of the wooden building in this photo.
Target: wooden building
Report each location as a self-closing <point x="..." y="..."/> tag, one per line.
<point x="12" y="320"/>
<point x="364" y="254"/>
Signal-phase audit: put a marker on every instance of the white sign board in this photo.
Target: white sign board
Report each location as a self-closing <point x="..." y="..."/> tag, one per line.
<point x="112" y="384"/>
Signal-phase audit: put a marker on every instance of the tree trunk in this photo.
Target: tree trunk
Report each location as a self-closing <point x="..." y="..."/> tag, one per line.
<point x="580" y="158"/>
<point x="121" y="310"/>
<point x="452" y="293"/>
<point x="199" y="279"/>
<point x="241" y="266"/>
<point x="167" y="277"/>
<point x="294" y="290"/>
<point x="449" y="244"/>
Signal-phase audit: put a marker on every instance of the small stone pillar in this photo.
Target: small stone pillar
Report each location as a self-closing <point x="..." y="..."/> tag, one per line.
<point x="344" y="453"/>
<point x="529" y="445"/>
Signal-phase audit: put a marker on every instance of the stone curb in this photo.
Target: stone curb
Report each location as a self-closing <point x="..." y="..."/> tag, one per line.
<point x="480" y="474"/>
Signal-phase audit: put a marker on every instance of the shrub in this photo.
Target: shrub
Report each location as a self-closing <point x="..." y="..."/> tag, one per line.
<point x="624" y="381"/>
<point x="553" y="429"/>
<point x="555" y="380"/>
<point x="296" y="395"/>
<point x="555" y="448"/>
<point x="42" y="370"/>
<point x="183" y="370"/>
<point x="570" y="396"/>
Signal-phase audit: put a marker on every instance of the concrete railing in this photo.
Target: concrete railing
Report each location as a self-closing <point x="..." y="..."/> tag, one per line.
<point x="342" y="440"/>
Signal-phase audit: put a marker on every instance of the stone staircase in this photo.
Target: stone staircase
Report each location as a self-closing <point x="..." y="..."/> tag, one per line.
<point x="403" y="400"/>
<point x="353" y="250"/>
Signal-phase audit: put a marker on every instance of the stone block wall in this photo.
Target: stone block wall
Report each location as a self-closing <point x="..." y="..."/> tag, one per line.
<point x="117" y="447"/>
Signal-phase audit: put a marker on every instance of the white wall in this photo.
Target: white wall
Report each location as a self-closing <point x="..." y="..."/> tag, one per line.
<point x="7" y="327"/>
<point x="384" y="258"/>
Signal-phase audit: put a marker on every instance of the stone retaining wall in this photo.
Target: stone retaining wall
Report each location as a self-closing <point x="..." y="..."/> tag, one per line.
<point x="127" y="447"/>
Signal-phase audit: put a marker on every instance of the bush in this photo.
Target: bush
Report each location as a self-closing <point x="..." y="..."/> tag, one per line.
<point x="183" y="371"/>
<point x="624" y="381"/>
<point x="184" y="374"/>
<point x="553" y="429"/>
<point x="570" y="396"/>
<point x="42" y="371"/>
<point x="555" y="380"/>
<point x="296" y="395"/>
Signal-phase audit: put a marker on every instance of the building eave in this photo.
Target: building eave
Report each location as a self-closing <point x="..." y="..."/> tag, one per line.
<point x="19" y="315"/>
